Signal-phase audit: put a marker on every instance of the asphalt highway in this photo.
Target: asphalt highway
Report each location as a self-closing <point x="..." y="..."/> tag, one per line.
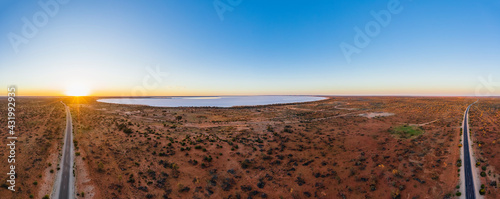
<point x="64" y="186"/>
<point x="469" y="179"/>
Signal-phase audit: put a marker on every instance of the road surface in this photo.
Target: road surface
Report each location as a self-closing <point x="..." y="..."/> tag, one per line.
<point x="65" y="181"/>
<point x="471" y="189"/>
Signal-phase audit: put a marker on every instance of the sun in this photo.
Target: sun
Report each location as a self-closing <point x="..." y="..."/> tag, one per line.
<point x="77" y="90"/>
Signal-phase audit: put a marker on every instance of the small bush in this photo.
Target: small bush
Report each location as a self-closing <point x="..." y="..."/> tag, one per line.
<point x="100" y="167"/>
<point x="458" y="193"/>
<point x="208" y="158"/>
<point x="245" y="164"/>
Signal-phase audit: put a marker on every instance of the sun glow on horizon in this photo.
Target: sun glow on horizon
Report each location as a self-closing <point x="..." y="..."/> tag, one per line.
<point x="77" y="90"/>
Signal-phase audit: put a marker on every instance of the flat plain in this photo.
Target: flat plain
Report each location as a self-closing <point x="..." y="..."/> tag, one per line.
<point x="39" y="127"/>
<point x="485" y="121"/>
<point x="341" y="147"/>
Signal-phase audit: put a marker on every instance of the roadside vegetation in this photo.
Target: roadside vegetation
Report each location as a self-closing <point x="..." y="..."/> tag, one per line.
<point x="485" y="133"/>
<point x="39" y="129"/>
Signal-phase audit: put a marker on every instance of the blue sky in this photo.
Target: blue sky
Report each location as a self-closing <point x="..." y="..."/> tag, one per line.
<point x="259" y="47"/>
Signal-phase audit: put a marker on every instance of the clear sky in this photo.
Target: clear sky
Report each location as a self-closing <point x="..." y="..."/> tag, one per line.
<point x="426" y="47"/>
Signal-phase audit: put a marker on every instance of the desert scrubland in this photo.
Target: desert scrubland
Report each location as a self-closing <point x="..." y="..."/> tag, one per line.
<point x="484" y="123"/>
<point x="40" y="123"/>
<point x="342" y="147"/>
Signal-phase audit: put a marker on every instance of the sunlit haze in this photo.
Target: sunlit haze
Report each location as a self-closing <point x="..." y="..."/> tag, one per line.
<point x="77" y="90"/>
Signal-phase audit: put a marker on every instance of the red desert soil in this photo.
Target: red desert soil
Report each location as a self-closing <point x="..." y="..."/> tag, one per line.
<point x="39" y="128"/>
<point x="322" y="149"/>
<point x="484" y="122"/>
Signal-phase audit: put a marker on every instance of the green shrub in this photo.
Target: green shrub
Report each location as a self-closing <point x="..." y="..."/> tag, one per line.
<point x="245" y="164"/>
<point x="208" y="158"/>
<point x="100" y="167"/>
<point x="178" y="118"/>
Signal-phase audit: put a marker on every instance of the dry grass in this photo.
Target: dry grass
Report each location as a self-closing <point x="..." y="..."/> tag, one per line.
<point x="39" y="124"/>
<point x="319" y="149"/>
<point x="484" y="124"/>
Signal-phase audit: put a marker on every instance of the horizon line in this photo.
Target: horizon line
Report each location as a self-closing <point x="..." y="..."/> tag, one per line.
<point x="315" y="95"/>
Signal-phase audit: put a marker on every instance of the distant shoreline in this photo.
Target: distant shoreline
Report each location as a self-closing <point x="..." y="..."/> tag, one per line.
<point x="212" y="101"/>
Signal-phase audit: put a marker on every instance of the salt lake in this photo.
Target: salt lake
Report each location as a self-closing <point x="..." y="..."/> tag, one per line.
<point x="211" y="101"/>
